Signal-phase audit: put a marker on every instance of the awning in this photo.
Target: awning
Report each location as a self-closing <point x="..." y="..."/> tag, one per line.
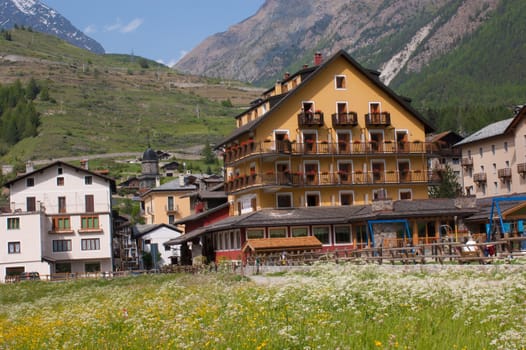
<point x="267" y="245"/>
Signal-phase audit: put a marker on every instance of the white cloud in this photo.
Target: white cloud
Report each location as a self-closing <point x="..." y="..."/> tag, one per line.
<point x="90" y="29"/>
<point x="132" y="26"/>
<point x="114" y="26"/>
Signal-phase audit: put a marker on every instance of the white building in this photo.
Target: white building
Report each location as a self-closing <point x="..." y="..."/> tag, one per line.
<point x="150" y="235"/>
<point x="59" y="221"/>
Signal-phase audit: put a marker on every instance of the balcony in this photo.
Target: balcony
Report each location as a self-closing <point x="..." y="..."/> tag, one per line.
<point x="521" y="169"/>
<point x="345" y="119"/>
<point x="324" y="178"/>
<point x="323" y="147"/>
<point x="504" y="173"/>
<point x="378" y="119"/>
<point x="467" y="162"/>
<point x="171" y="208"/>
<point x="479" y="177"/>
<point x="309" y="119"/>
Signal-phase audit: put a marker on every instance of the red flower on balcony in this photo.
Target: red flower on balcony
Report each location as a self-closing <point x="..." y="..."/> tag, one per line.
<point x="309" y="141"/>
<point x="270" y="172"/>
<point x="312" y="172"/>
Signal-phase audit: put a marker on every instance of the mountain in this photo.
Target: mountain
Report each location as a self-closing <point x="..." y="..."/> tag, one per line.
<point x="389" y="35"/>
<point x="39" y="17"/>
<point x="461" y="61"/>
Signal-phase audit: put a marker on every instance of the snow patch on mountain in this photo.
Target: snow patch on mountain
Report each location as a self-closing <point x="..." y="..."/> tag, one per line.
<point x="25" y="6"/>
<point x="392" y="67"/>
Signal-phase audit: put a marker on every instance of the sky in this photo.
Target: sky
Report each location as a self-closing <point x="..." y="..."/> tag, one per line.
<point x="161" y="30"/>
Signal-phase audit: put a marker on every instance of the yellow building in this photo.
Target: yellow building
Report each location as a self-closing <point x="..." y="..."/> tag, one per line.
<point x="329" y="135"/>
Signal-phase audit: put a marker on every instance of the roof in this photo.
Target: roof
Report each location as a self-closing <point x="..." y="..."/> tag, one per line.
<point x="150" y="155"/>
<point x="140" y="230"/>
<point x="283" y="243"/>
<point x="61" y="163"/>
<point x="318" y="69"/>
<point x="202" y="214"/>
<point x="491" y="130"/>
<point x="342" y="214"/>
<point x="186" y="237"/>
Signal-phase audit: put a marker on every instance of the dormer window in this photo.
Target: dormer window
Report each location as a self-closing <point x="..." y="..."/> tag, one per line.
<point x="59" y="171"/>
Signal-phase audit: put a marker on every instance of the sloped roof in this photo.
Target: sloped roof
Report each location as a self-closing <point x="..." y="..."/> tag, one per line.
<point x="281" y="243"/>
<point x="371" y="75"/>
<point x="202" y="214"/>
<point x="61" y="163"/>
<point x="338" y="215"/>
<point x="140" y="230"/>
<point x="491" y="130"/>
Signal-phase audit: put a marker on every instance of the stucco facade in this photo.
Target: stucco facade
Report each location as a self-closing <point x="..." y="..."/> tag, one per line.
<point x="61" y="218"/>
<point x="494" y="158"/>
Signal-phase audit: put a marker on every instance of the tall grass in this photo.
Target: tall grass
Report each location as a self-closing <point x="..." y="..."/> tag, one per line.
<point x="332" y="307"/>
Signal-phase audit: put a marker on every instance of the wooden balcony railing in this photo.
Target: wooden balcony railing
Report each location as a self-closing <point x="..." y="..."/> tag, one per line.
<point x="467" y="162"/>
<point x="309" y="119"/>
<point x="358" y="148"/>
<point x="323" y="178"/>
<point x="378" y="119"/>
<point x="521" y="168"/>
<point x="479" y="177"/>
<point x="345" y="119"/>
<point x="504" y="173"/>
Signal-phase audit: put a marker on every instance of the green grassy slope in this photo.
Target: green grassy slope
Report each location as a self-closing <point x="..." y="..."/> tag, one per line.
<point x="111" y="103"/>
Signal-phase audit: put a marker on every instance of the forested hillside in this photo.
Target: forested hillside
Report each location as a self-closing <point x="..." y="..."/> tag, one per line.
<point x="18" y="116"/>
<point x="480" y="81"/>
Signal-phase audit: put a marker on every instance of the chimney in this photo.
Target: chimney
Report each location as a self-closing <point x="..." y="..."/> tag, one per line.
<point x="286" y="76"/>
<point x="84" y="164"/>
<point x="181" y="180"/>
<point x="318" y="58"/>
<point x="29" y="166"/>
<point x="305" y="66"/>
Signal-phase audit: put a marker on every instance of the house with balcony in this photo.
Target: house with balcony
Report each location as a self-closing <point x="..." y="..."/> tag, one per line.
<point x="494" y="158"/>
<point x="59" y="220"/>
<point x="328" y="136"/>
<point x="442" y="154"/>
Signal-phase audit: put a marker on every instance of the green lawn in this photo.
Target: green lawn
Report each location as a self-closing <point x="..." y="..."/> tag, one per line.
<point x="328" y="307"/>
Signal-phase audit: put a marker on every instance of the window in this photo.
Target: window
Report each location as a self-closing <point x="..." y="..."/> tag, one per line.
<point x="255" y="233"/>
<point x="495" y="187"/>
<point x="31" y="204"/>
<point x="380" y="194"/>
<point x="505" y="147"/>
<point x="59" y="171"/>
<point x="346" y="198"/>
<point x="62" y="267"/>
<point x="299" y="231"/>
<point x="13" y="247"/>
<point x="30" y="182"/>
<point x="62" y="245"/>
<point x="405" y="194"/>
<point x="89" y="222"/>
<point x="322" y="234"/>
<point x="170" y="205"/>
<point x="340" y="81"/>
<point x="312" y="199"/>
<point x="13" y="223"/>
<point x="92" y="267"/>
<point x="60" y="181"/>
<point x="227" y="240"/>
<point x="494" y="168"/>
<point x="342" y="235"/>
<point x="171" y="219"/>
<point x="90" y="244"/>
<point x="277" y="232"/>
<point x="61" y="204"/>
<point x="284" y="200"/>
<point x="88" y="180"/>
<point x="89" y="203"/>
<point x="61" y="223"/>
<point x="481" y="152"/>
<point x="493" y="149"/>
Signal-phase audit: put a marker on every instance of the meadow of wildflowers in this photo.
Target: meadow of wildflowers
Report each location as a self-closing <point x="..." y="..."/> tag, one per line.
<point x="325" y="307"/>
